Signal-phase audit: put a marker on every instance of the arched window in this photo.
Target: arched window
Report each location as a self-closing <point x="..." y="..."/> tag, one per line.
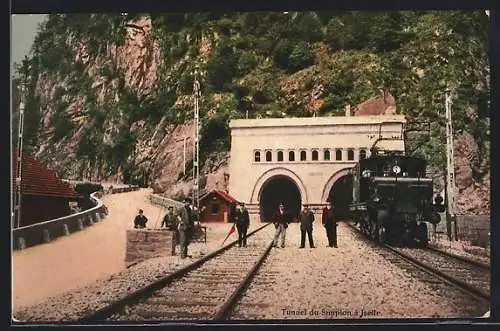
<point x="303" y="156"/>
<point x="269" y="156"/>
<point x="338" y="155"/>
<point x="280" y="156"/>
<point x="291" y="156"/>
<point x="315" y="155"/>
<point x="257" y="156"/>
<point x="326" y="156"/>
<point x="362" y="154"/>
<point x="350" y="155"/>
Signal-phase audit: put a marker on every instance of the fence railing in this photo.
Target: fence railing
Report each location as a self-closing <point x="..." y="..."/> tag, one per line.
<point x="472" y="228"/>
<point x="107" y="187"/>
<point x="165" y="202"/>
<point x="35" y="234"/>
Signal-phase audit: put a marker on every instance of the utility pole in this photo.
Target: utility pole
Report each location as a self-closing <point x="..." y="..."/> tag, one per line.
<point x="184" y="153"/>
<point x="20" y="130"/>
<point x="196" y="143"/>
<point x="184" y="156"/>
<point x="450" y="169"/>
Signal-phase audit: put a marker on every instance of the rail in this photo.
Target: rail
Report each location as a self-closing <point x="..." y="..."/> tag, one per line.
<point x="434" y="271"/>
<point x="44" y="232"/>
<point x="146" y="291"/>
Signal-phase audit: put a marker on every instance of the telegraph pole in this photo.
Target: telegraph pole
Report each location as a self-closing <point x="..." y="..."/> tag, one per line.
<point x="20" y="130"/>
<point x="183" y="153"/>
<point x="196" y="143"/>
<point x="450" y="169"/>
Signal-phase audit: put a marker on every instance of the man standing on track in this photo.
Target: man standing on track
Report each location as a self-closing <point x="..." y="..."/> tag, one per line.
<point x="306" y="225"/>
<point x="330" y="224"/>
<point x="184" y="218"/>
<point x="281" y="219"/>
<point x="242" y="221"/>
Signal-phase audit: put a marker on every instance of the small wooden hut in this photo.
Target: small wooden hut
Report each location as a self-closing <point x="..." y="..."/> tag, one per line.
<point x="217" y="206"/>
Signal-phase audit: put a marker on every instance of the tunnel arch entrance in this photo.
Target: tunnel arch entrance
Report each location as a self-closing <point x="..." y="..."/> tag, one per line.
<point x="277" y="189"/>
<point x="341" y="195"/>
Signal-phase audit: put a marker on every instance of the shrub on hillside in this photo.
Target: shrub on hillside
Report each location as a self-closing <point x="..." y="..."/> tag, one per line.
<point x="86" y="189"/>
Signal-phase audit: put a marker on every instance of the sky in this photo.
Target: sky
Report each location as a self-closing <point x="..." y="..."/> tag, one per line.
<point x="23" y="31"/>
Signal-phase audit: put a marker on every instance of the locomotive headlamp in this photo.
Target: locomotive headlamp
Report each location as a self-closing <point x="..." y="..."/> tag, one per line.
<point x="396" y="169"/>
<point x="365" y="173"/>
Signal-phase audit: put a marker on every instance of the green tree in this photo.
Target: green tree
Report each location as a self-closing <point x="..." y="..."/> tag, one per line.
<point x="221" y="68"/>
<point x="301" y="56"/>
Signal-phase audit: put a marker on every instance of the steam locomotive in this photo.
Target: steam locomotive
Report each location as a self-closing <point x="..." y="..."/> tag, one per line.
<point x="392" y="196"/>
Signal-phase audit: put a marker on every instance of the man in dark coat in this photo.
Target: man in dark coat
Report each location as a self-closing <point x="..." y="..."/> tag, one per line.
<point x="330" y="224"/>
<point x="184" y="226"/>
<point x="140" y="220"/>
<point x="169" y="220"/>
<point x="306" y="225"/>
<point x="280" y="220"/>
<point x="242" y="221"/>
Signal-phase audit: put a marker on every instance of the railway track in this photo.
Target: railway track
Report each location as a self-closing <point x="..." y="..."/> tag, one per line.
<point x="435" y="267"/>
<point x="207" y="289"/>
<point x="469" y="275"/>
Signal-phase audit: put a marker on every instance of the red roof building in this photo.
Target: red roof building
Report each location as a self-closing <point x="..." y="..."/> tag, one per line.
<point x="217" y="206"/>
<point x="44" y="195"/>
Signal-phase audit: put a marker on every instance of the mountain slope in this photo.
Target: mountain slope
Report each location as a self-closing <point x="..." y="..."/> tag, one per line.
<point x="110" y="96"/>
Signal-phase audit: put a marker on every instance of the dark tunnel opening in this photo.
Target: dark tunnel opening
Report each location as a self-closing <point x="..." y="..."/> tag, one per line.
<point x="279" y="189"/>
<point x="341" y="195"/>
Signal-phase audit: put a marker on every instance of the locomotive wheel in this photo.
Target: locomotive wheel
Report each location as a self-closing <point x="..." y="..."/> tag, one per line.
<point x="407" y="239"/>
<point x="382" y="234"/>
<point x="422" y="235"/>
<point x="374" y="232"/>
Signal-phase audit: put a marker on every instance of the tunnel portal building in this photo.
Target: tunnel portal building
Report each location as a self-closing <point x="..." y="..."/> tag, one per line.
<point x="301" y="160"/>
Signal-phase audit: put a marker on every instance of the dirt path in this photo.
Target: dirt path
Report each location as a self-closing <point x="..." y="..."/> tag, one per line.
<point x="81" y="258"/>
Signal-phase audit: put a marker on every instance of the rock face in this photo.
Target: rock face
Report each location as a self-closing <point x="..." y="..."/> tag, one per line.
<point x="168" y="166"/>
<point x="216" y="170"/>
<point x="384" y="104"/>
<point x="139" y="57"/>
<point x="473" y="194"/>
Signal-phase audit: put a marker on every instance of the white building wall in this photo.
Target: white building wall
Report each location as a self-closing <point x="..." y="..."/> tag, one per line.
<point x="314" y="178"/>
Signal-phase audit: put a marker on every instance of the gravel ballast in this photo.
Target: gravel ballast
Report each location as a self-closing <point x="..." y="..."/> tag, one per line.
<point x="348" y="282"/>
<point x="74" y="304"/>
<point x="351" y="281"/>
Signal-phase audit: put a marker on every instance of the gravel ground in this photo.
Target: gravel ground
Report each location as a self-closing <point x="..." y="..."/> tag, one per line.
<point x="463" y="248"/>
<point x="320" y="283"/>
<point x="80" y="273"/>
<point x="351" y="281"/>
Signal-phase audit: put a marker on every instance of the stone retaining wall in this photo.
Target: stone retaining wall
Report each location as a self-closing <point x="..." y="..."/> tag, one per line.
<point x="475" y="229"/>
<point x="47" y="231"/>
<point x="143" y="244"/>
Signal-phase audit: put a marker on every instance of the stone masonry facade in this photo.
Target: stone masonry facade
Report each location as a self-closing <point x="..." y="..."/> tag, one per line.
<point x="313" y="152"/>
